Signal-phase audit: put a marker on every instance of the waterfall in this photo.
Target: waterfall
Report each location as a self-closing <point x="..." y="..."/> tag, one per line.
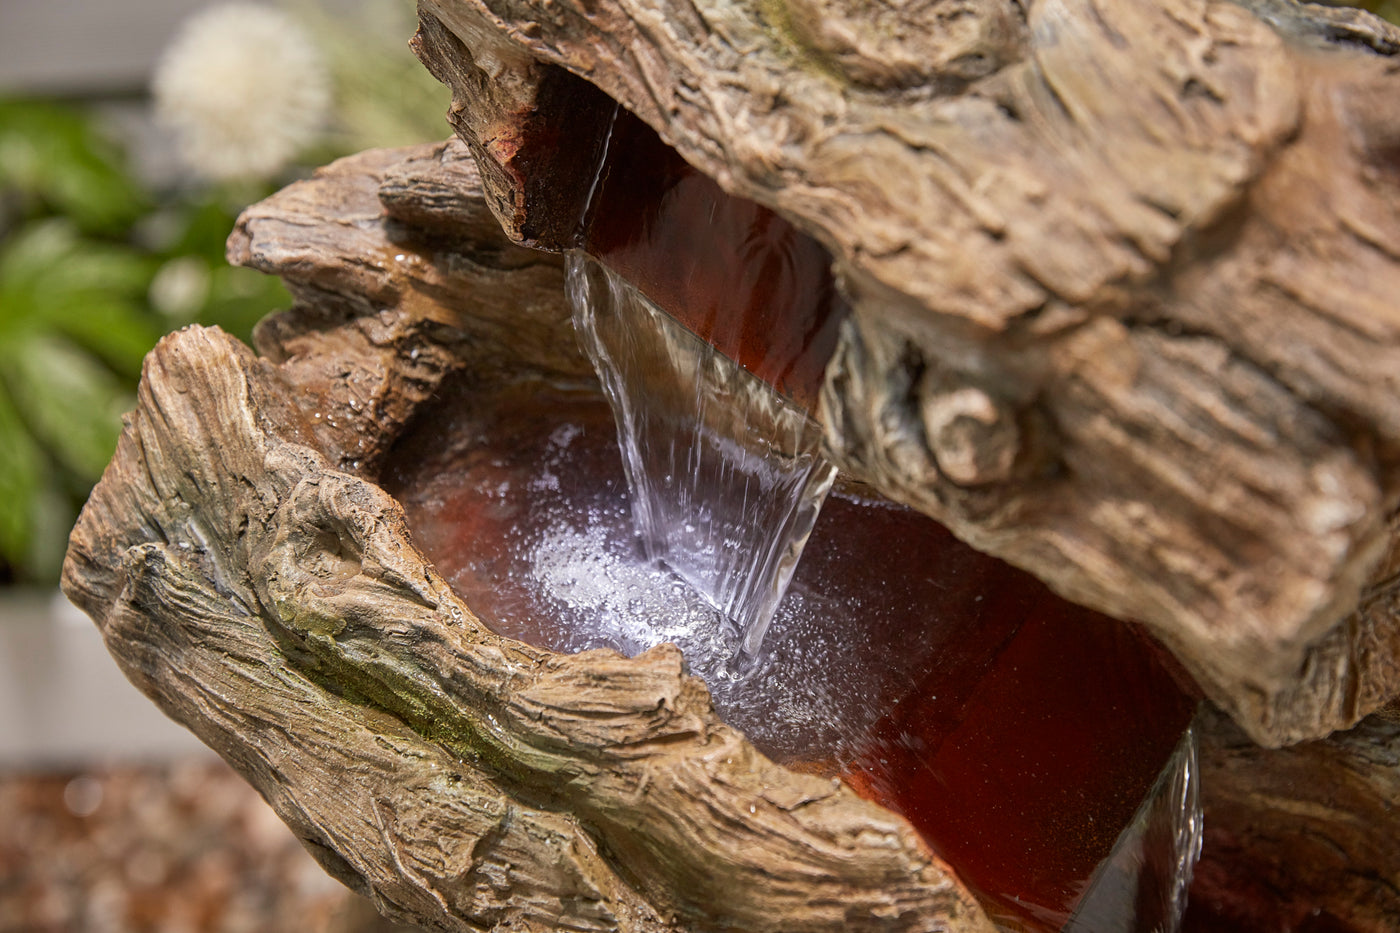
<point x="1012" y="730"/>
<point x="726" y="474"/>
<point x="710" y="320"/>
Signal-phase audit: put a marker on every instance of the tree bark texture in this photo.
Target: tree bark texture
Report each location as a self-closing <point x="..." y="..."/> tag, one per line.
<point x="1301" y="838"/>
<point x="1123" y="277"/>
<point x="249" y="576"/>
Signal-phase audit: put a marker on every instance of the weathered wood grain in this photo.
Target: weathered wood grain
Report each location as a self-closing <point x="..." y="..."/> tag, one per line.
<point x="266" y="594"/>
<point x="385" y="305"/>
<point x="1301" y="838"/>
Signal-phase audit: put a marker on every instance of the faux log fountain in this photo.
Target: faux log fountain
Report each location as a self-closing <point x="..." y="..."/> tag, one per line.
<point x="1119" y="283"/>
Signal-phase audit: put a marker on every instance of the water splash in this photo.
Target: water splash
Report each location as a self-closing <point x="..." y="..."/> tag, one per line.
<point x="726" y="475"/>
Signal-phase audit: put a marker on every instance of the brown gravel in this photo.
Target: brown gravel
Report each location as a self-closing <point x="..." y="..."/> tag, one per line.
<point x="187" y="847"/>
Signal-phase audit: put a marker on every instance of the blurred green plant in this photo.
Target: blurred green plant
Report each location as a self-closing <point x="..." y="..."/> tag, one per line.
<point x="383" y="96"/>
<point x="95" y="266"/>
<point x="93" y="270"/>
<point x="1390" y="9"/>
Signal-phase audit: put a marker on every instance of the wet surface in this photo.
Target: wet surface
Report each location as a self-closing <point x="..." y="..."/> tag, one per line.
<point x="1018" y="732"/>
<point x="736" y="274"/>
<point x="725" y="475"/>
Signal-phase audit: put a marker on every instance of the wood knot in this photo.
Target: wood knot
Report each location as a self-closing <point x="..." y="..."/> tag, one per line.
<point x="973" y="439"/>
<point x="911" y="43"/>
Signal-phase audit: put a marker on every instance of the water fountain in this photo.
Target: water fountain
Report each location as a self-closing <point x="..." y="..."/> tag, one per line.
<point x="900" y="659"/>
<point x="727" y="476"/>
<point x="249" y="571"/>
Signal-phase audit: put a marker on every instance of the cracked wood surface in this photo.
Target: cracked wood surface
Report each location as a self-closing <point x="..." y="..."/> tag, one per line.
<point x="248" y="575"/>
<point x="1124" y="278"/>
<point x="376" y="329"/>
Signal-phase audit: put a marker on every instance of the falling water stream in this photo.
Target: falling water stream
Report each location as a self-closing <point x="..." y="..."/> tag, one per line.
<point x="726" y="475"/>
<point x="709" y="320"/>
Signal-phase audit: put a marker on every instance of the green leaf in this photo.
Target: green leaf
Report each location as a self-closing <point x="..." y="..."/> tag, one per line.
<point x="55" y="512"/>
<point x="46" y="266"/>
<point x="233" y="298"/>
<point x="21" y="475"/>
<point x="52" y="280"/>
<point x="239" y="298"/>
<point x="206" y="225"/>
<point x="52" y="154"/>
<point x="68" y="401"/>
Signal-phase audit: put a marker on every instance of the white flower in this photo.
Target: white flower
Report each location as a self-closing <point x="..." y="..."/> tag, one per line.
<point x="244" y="89"/>
<point x="180" y="288"/>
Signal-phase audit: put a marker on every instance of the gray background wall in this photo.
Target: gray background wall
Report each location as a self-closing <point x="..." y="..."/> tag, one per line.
<point x="84" y="47"/>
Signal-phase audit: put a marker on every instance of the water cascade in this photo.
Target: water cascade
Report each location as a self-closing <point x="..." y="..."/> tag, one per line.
<point x="702" y="314"/>
<point x="726" y="475"/>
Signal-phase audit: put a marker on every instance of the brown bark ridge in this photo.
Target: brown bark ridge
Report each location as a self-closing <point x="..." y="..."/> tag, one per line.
<point x="249" y="576"/>
<point x="1124" y="278"/>
<point x="1302" y="838"/>
<point x="380" y="318"/>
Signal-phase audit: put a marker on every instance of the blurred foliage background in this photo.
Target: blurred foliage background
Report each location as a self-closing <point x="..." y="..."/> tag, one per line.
<point x="99" y="257"/>
<point x="1390" y="9"/>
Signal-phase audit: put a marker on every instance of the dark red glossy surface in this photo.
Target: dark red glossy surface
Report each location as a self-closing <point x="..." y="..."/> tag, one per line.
<point x="730" y="270"/>
<point x="1023" y="778"/>
<point x="471" y="477"/>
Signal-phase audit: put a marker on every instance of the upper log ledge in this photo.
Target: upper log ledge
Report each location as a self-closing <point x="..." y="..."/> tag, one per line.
<point x="1155" y="243"/>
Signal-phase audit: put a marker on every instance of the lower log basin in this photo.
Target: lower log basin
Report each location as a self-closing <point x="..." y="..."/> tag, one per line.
<point x="1018" y="733"/>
